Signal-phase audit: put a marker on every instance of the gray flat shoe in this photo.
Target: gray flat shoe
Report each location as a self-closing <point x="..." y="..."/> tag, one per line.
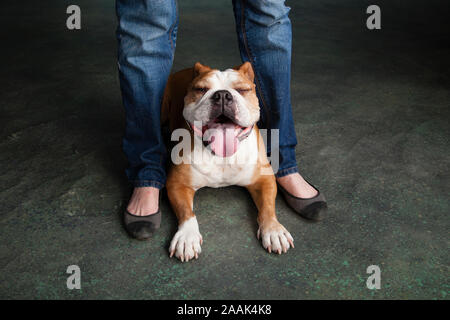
<point x="142" y="227"/>
<point x="314" y="208"/>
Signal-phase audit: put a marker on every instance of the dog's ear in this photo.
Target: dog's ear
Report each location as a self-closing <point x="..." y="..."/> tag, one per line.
<point x="247" y="70"/>
<point x="199" y="69"/>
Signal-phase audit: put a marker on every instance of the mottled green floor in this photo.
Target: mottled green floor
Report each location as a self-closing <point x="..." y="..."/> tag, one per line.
<point x="372" y="117"/>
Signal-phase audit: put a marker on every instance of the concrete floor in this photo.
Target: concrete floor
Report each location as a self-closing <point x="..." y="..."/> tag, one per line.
<point x="372" y="117"/>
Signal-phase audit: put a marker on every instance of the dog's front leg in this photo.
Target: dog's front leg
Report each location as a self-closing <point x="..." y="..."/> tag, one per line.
<point x="275" y="237"/>
<point x="186" y="244"/>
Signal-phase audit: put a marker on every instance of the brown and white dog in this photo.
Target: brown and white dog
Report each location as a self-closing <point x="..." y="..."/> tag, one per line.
<point x="219" y="111"/>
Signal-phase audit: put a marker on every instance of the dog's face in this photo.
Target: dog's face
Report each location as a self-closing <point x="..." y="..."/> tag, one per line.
<point x="222" y="96"/>
<point x="222" y="105"/>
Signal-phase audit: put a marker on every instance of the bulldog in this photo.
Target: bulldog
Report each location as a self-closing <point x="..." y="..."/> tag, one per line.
<point x="218" y="110"/>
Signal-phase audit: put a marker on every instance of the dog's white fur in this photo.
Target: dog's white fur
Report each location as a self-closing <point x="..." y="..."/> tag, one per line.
<point x="187" y="241"/>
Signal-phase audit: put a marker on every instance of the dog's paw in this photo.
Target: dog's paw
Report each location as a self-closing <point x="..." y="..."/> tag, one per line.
<point x="186" y="244"/>
<point x="275" y="237"/>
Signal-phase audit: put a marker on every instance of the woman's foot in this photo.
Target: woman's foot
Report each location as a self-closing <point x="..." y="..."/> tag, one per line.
<point x="143" y="215"/>
<point x="144" y="201"/>
<point x="297" y="186"/>
<point x="302" y="197"/>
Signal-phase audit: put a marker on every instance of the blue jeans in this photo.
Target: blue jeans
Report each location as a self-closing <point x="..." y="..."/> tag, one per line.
<point x="146" y="35"/>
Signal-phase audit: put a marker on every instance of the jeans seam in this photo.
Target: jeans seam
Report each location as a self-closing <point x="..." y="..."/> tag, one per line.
<point x="173" y="27"/>
<point x="252" y="61"/>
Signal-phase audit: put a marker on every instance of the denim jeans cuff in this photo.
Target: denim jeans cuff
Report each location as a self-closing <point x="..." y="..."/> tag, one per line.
<point x="147" y="183"/>
<point x="285" y="172"/>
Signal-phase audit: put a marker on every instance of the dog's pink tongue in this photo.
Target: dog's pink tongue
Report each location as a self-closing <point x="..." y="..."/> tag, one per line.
<point x="223" y="139"/>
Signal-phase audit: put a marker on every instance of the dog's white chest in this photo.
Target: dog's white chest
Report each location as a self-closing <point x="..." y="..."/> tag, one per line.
<point x="208" y="170"/>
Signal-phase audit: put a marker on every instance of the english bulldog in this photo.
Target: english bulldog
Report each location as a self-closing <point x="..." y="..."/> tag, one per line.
<point x="217" y="113"/>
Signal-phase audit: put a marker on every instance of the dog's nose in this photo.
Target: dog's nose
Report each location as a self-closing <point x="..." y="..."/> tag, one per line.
<point x="222" y="97"/>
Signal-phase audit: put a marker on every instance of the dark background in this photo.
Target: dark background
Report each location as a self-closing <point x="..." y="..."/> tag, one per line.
<point x="372" y="117"/>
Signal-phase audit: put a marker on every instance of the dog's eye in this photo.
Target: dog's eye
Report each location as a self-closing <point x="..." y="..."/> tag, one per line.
<point x="242" y="90"/>
<point x="201" y="89"/>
